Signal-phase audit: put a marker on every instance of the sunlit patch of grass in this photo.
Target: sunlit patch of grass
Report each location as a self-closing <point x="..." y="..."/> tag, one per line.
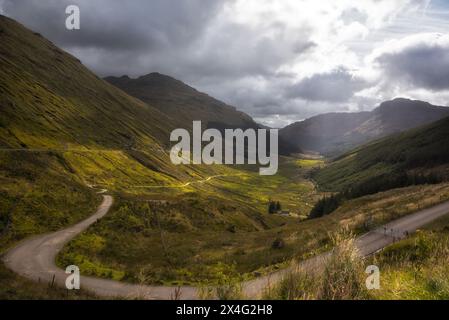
<point x="309" y="163"/>
<point x="114" y="170"/>
<point x="416" y="268"/>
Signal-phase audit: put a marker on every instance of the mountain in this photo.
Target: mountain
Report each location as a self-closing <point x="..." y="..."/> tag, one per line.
<point x="334" y="133"/>
<point x="60" y="101"/>
<point x="419" y="153"/>
<point x="326" y="133"/>
<point x="183" y="103"/>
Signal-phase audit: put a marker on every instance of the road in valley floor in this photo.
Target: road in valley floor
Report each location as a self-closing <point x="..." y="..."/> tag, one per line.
<point x="35" y="258"/>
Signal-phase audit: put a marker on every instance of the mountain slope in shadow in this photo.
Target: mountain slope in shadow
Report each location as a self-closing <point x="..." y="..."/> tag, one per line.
<point x="181" y="102"/>
<point x="419" y="152"/>
<point x="334" y="133"/>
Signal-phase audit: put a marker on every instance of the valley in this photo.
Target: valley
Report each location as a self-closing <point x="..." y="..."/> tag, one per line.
<point x="70" y="141"/>
<point x="196" y="232"/>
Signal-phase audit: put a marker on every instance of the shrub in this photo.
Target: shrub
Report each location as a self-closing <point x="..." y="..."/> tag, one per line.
<point x="227" y="287"/>
<point x="342" y="278"/>
<point x="278" y="244"/>
<point x="298" y="285"/>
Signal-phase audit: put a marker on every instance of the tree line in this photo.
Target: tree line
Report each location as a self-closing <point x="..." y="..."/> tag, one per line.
<point x="385" y="182"/>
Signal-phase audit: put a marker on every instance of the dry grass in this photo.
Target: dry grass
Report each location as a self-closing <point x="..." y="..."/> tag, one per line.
<point x="340" y="278"/>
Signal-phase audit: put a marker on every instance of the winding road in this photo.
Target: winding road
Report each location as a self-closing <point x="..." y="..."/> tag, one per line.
<point x="35" y="258"/>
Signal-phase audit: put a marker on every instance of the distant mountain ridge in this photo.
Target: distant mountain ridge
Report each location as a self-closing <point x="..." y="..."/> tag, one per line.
<point x="335" y="133"/>
<point x="181" y="102"/>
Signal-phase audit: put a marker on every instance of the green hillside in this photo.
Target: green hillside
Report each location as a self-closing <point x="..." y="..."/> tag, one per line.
<point x="61" y="102"/>
<point x="419" y="152"/>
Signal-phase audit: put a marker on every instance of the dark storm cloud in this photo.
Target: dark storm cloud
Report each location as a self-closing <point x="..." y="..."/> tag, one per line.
<point x="174" y="37"/>
<point x="421" y="63"/>
<point x="251" y="54"/>
<point x="184" y="39"/>
<point x="336" y="86"/>
<point x="234" y="61"/>
<point x="116" y="25"/>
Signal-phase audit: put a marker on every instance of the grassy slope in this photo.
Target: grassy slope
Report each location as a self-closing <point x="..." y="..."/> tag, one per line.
<point x="71" y="130"/>
<point x="416" y="268"/>
<point x="38" y="193"/>
<point x="60" y="102"/>
<point x="423" y="149"/>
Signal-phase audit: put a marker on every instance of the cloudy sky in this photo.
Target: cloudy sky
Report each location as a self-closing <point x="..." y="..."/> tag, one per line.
<point x="279" y="60"/>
